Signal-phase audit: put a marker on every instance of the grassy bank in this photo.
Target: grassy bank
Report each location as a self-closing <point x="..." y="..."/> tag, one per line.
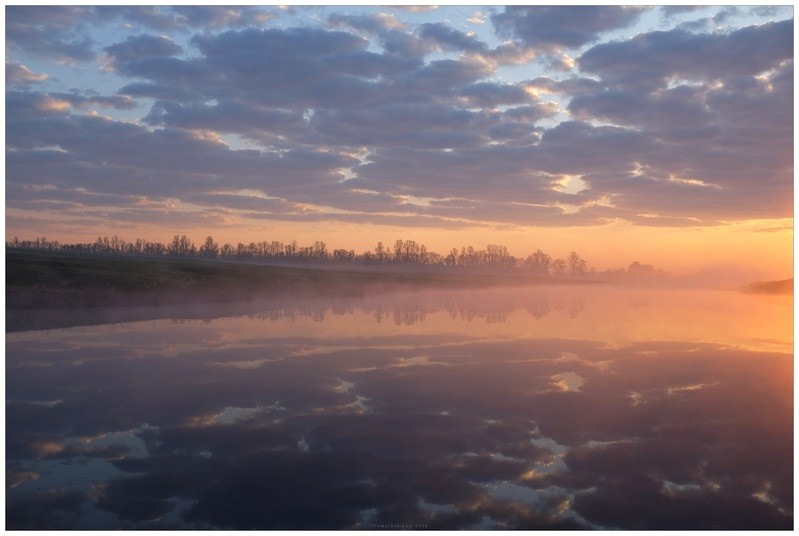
<point x="57" y="280"/>
<point x="770" y="287"/>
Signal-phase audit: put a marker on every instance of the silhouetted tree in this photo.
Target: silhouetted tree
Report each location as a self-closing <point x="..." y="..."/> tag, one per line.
<point x="181" y="245"/>
<point x="398" y="249"/>
<point x="380" y="252"/>
<point x="640" y="270"/>
<point x="577" y="265"/>
<point x="209" y="249"/>
<point x="452" y="257"/>
<point x="498" y="256"/>
<point x="404" y="252"/>
<point x="434" y="258"/>
<point x="539" y="262"/>
<point x="291" y="249"/>
<point x="342" y="255"/>
<point x="319" y="250"/>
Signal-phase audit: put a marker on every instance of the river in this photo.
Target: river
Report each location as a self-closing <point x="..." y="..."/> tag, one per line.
<point x="537" y="408"/>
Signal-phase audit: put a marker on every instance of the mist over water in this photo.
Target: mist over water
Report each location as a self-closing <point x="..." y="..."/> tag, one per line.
<point x="548" y="407"/>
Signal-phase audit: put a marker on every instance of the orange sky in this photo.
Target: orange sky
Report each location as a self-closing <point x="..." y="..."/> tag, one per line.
<point x="735" y="248"/>
<point x="457" y="130"/>
<point x="743" y="250"/>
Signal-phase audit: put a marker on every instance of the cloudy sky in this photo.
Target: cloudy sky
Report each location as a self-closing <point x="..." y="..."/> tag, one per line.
<point x="621" y="132"/>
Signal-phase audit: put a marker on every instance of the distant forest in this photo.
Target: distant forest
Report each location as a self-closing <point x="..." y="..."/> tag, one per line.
<point x="404" y="253"/>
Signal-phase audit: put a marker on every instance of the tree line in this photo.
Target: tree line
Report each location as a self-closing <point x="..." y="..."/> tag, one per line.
<point x="402" y="253"/>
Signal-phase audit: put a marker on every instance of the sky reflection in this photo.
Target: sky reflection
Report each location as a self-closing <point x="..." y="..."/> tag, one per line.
<point x="616" y="315"/>
<point x="453" y="420"/>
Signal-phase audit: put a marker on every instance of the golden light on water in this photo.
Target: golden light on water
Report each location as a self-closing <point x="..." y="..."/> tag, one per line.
<point x="609" y="314"/>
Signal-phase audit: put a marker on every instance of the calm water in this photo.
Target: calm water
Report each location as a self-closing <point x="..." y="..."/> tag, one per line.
<point x="533" y="408"/>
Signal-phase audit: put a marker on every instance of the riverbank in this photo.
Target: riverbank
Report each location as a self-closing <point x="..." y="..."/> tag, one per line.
<point x="770" y="287"/>
<point x="37" y="280"/>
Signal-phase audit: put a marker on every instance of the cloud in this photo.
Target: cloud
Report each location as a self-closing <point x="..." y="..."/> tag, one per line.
<point x="256" y="122"/>
<point x="31" y="105"/>
<point x="466" y="439"/>
<point x="151" y="17"/>
<point x="377" y="24"/>
<point x="491" y="95"/>
<point x="773" y="229"/>
<point x="680" y="109"/>
<point x="553" y="28"/>
<point x="56" y="510"/>
<point x="391" y="33"/>
<point x="705" y="134"/>
<point x="63" y="33"/>
<point x="404" y="125"/>
<point x="19" y="75"/>
<point x="767" y="11"/>
<point x="562" y="62"/>
<point x="222" y="16"/>
<point x="415" y="9"/>
<point x="450" y="38"/>
<point x="574" y="86"/>
<point x="117" y="102"/>
<point x="160" y="92"/>
<point x="103" y="155"/>
<point x="165" y="18"/>
<point x="53" y="32"/>
<point x="673" y="11"/>
<point x="352" y="116"/>
<point x="143" y="46"/>
<point x="477" y="17"/>
<point x="649" y="61"/>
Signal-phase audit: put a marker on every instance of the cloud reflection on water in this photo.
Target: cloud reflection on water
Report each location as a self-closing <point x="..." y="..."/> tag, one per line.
<point x="439" y="424"/>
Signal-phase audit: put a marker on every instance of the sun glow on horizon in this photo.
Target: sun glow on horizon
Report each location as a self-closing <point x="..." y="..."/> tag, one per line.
<point x="762" y="248"/>
<point x="532" y="128"/>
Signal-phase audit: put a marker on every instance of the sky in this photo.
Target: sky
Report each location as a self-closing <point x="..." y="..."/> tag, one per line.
<point x="657" y="134"/>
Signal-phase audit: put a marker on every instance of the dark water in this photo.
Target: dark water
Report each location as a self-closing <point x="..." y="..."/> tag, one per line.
<point x="560" y="408"/>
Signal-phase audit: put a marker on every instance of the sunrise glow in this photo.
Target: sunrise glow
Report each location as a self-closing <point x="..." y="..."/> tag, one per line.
<point x="382" y="267"/>
<point x="454" y="126"/>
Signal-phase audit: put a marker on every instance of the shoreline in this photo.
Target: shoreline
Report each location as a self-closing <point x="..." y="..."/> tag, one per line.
<point x="55" y="280"/>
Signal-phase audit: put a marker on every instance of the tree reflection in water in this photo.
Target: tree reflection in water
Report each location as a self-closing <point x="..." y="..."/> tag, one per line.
<point x="452" y="411"/>
<point x="408" y="313"/>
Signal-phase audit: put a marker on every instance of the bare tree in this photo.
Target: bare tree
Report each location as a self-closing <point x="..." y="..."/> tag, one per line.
<point x="404" y="252"/>
<point x="319" y="250"/>
<point x="539" y="262"/>
<point x="380" y="252"/>
<point x="558" y="267"/>
<point x="452" y="257"/>
<point x="398" y="249"/>
<point x="174" y="246"/>
<point x="209" y="249"/>
<point x="291" y="249"/>
<point x="577" y="265"/>
<point x="640" y="270"/>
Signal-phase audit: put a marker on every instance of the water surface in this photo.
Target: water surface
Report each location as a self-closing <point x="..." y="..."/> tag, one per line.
<point x="503" y="408"/>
